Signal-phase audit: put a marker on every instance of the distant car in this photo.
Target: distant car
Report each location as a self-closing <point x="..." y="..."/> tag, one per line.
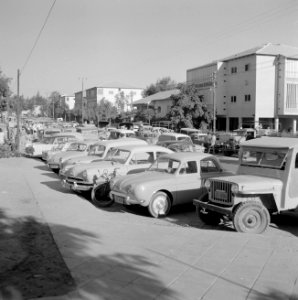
<point x="121" y="133"/>
<point x="124" y="160"/>
<point x="65" y="146"/>
<point x="172" y="136"/>
<point x="47" y="143"/>
<point x="173" y="179"/>
<point x="182" y="146"/>
<point x="75" y="149"/>
<point x="98" y="151"/>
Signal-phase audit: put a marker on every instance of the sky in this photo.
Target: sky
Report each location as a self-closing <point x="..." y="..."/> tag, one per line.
<point x="130" y="42"/>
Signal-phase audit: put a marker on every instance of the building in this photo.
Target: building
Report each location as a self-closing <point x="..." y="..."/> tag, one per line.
<point x="111" y="92"/>
<point x="254" y="88"/>
<point x="160" y="102"/>
<point x="69" y="101"/>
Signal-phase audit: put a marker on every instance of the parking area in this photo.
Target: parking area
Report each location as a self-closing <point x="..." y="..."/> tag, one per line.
<point x="123" y="253"/>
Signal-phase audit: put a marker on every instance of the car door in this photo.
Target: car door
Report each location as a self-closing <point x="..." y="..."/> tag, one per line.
<point x="187" y="182"/>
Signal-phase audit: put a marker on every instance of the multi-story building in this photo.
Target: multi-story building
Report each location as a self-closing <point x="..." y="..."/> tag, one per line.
<point x="68" y="100"/>
<point x="115" y="93"/>
<point x="255" y="88"/>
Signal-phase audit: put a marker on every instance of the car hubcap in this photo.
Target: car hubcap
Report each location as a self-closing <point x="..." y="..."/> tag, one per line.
<point x="160" y="205"/>
<point x="252" y="220"/>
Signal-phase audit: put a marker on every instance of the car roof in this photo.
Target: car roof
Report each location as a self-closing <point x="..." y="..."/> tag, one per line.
<point x="119" y="142"/>
<point x="144" y="147"/>
<point x="174" y="134"/>
<point x="123" y="130"/>
<point x="186" y="156"/>
<point x="272" y="142"/>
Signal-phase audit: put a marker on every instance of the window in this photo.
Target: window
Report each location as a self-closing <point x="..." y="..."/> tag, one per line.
<point x="159" y="109"/>
<point x="142" y="158"/>
<point x="246" y="67"/>
<point x="234" y="70"/>
<point x="292" y="96"/>
<point x="99" y="91"/>
<point x="208" y="166"/>
<point x="233" y="99"/>
<point x="247" y="98"/>
<point x="111" y="92"/>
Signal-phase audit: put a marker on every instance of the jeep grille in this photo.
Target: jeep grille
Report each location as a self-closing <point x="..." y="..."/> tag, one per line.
<point x="221" y="192"/>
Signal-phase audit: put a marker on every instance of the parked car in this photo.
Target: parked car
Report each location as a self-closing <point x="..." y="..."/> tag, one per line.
<point x="125" y="159"/>
<point x="64" y="146"/>
<point x="98" y="151"/>
<point x="47" y="143"/>
<point x="182" y="146"/>
<point x="76" y="149"/>
<point x="264" y="184"/>
<point x="172" y="136"/>
<point x="232" y="145"/>
<point x="175" y="178"/>
<point x="121" y="133"/>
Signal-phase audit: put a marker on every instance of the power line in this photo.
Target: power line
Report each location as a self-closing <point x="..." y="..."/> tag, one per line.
<point x="38" y="36"/>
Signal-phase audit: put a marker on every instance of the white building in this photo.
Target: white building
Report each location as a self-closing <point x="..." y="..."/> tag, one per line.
<point x="68" y="100"/>
<point x="258" y="87"/>
<point x="110" y="92"/>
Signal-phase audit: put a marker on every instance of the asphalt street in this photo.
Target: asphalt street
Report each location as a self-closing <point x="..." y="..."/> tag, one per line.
<point x="123" y="253"/>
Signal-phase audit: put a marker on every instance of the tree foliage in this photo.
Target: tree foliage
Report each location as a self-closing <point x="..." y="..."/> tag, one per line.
<point x="105" y="110"/>
<point x="163" y="84"/>
<point x="189" y="108"/>
<point x="4" y="91"/>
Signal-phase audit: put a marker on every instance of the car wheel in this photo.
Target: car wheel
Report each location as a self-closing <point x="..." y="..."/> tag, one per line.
<point x="159" y="205"/>
<point x="100" y="195"/>
<point x="251" y="217"/>
<point x="208" y="217"/>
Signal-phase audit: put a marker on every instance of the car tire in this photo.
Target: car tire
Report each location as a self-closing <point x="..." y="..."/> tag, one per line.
<point x="159" y="205"/>
<point x="100" y="195"/>
<point x="208" y="217"/>
<point x="251" y="217"/>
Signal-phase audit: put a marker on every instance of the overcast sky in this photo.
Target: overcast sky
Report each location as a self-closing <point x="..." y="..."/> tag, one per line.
<point x="132" y="42"/>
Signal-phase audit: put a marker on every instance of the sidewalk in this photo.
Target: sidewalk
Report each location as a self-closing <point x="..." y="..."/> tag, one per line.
<point x="120" y="253"/>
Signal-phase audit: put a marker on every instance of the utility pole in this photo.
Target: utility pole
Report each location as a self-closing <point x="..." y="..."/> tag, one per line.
<point x="18" y="112"/>
<point x="214" y="100"/>
<point x="83" y="78"/>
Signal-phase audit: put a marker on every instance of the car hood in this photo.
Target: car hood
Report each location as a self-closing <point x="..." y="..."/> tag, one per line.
<point x="147" y="177"/>
<point x="252" y="183"/>
<point x="92" y="167"/>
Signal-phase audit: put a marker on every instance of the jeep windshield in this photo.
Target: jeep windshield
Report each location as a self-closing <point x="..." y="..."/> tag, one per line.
<point x="165" y="164"/>
<point x="264" y="158"/>
<point x="119" y="156"/>
<point x="97" y="150"/>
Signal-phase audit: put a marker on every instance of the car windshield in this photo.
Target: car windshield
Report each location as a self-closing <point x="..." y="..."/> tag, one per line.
<point x="77" y="147"/>
<point x="274" y="159"/>
<point x="165" y="164"/>
<point x="48" y="140"/>
<point x="119" y="155"/>
<point x="97" y="150"/>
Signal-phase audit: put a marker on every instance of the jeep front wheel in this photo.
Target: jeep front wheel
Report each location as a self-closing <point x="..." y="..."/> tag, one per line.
<point x="251" y="217"/>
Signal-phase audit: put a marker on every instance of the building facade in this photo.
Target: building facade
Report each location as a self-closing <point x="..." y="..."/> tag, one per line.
<point x="114" y="93"/>
<point x="69" y="101"/>
<point x="256" y="88"/>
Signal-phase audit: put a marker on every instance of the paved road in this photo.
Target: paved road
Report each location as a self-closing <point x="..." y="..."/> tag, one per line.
<point x="119" y="253"/>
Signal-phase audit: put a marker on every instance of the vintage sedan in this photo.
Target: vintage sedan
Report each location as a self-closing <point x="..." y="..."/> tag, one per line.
<point x="98" y="151"/>
<point x="173" y="179"/>
<point x="47" y="143"/>
<point x="124" y="160"/>
<point x="75" y="149"/>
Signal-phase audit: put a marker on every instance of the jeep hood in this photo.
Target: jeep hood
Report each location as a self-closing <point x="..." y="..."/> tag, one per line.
<point x="252" y="183"/>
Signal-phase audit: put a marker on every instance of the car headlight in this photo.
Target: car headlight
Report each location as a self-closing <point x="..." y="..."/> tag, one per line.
<point x="234" y="188"/>
<point x="207" y="184"/>
<point x="85" y="175"/>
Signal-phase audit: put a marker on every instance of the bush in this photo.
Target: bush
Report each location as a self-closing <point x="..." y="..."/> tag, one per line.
<point x="8" y="149"/>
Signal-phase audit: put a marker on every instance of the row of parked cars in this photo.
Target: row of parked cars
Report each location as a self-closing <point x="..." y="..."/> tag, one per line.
<point x="130" y="171"/>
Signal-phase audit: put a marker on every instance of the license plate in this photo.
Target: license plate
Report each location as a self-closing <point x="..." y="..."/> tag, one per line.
<point x="54" y="166"/>
<point x="118" y="199"/>
<point x="221" y="195"/>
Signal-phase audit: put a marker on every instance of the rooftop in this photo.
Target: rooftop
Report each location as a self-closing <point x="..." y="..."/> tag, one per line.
<point x="158" y="96"/>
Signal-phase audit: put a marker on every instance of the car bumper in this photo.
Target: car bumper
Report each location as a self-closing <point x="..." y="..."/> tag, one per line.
<point x="122" y="198"/>
<point x="209" y="206"/>
<point x="76" y="185"/>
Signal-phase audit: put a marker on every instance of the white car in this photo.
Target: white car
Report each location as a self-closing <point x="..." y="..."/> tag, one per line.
<point x="124" y="160"/>
<point x="98" y="151"/>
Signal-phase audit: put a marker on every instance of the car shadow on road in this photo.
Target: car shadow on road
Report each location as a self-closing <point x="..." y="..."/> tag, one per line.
<point x="56" y="185"/>
<point x="32" y="266"/>
<point x="43" y="168"/>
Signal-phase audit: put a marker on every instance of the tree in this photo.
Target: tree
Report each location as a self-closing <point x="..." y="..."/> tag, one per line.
<point x="105" y="110"/>
<point x="121" y="101"/>
<point x="164" y="84"/>
<point x="56" y="105"/>
<point x="4" y="91"/>
<point x="189" y="108"/>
